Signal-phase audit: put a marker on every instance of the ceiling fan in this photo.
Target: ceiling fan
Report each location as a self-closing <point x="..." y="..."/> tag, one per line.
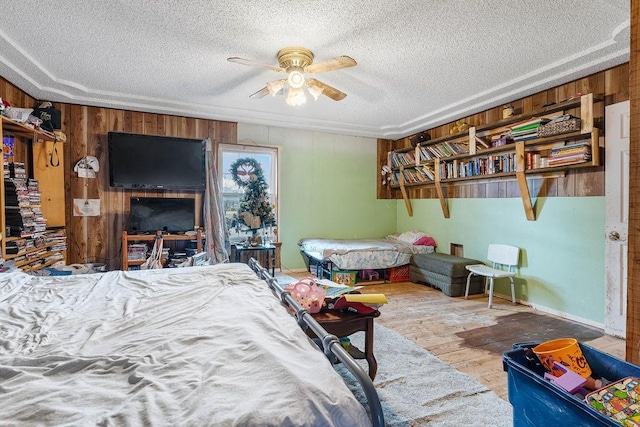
<point x="296" y="61"/>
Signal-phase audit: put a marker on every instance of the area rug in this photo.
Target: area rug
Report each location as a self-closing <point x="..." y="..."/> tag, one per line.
<point x="418" y="389"/>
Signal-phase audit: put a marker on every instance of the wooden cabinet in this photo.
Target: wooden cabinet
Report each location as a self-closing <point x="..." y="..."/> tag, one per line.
<point x="148" y="240"/>
<point x="31" y="197"/>
<point x="470" y="155"/>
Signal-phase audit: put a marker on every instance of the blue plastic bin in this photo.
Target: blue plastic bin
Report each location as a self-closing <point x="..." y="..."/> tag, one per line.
<point x="538" y="402"/>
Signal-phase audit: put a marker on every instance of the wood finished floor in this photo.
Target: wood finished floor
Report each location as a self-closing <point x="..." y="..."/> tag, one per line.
<point x="470" y="336"/>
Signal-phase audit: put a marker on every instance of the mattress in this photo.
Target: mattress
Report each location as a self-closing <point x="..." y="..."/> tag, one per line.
<point x="192" y="346"/>
<point x="362" y="254"/>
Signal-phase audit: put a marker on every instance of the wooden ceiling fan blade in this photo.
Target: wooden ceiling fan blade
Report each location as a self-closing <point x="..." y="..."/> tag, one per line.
<point x="332" y="64"/>
<point x="260" y="94"/>
<point x="327" y="90"/>
<point x="252" y="63"/>
<point x="272" y="88"/>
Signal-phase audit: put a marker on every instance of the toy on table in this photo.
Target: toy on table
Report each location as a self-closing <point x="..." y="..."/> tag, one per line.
<point x="308" y="294"/>
<point x="569" y="380"/>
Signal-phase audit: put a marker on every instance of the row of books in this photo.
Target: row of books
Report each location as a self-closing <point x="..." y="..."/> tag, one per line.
<point x="137" y="251"/>
<point x="51" y="241"/>
<point x="479" y="166"/>
<point x="418" y="174"/>
<point x="459" y="169"/>
<point x="443" y="149"/>
<point x="560" y="156"/>
<point x="406" y="158"/>
<point x="428" y="152"/>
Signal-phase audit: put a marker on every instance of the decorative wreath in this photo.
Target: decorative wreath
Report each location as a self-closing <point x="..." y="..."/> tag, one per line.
<point x="242" y="169"/>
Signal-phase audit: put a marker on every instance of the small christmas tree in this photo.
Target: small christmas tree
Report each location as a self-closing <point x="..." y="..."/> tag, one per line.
<point x="255" y="210"/>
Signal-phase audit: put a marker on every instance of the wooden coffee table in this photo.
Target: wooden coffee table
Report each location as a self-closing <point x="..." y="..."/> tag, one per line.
<point x="342" y="324"/>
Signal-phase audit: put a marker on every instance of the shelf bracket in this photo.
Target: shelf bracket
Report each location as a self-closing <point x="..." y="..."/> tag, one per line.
<point x="443" y="202"/>
<point x="522" y="182"/>
<point x="407" y="202"/>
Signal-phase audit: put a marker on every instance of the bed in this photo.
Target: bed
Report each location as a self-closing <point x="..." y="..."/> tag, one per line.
<point x="394" y="250"/>
<point x="208" y="345"/>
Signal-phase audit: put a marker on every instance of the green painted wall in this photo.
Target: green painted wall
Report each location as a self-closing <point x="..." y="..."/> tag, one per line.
<point x="327" y="187"/>
<point x="563" y="251"/>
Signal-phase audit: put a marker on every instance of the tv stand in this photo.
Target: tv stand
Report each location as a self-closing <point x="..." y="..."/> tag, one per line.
<point x="128" y="238"/>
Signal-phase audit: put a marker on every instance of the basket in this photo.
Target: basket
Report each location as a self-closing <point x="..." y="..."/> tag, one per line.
<point x="569" y="124"/>
<point x="399" y="274"/>
<point x="309" y="294"/>
<point x="567" y="352"/>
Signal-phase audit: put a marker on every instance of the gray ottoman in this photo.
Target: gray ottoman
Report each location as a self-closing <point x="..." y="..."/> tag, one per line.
<point x="445" y="272"/>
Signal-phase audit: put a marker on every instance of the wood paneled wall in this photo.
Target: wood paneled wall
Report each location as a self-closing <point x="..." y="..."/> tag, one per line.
<point x="98" y="239"/>
<point x="611" y="86"/>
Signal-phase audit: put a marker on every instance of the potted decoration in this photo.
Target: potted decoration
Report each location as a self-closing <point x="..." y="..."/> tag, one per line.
<point x="255" y="211"/>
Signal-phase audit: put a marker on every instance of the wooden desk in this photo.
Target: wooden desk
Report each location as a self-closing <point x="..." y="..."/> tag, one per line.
<point x="342" y="324"/>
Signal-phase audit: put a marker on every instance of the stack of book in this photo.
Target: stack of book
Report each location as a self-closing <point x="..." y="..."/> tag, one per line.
<point x="16" y="202"/>
<point x="527" y="130"/>
<point x="56" y="240"/>
<point x="137" y="251"/>
<point x="570" y="154"/>
<point x="23" y="214"/>
<point x="14" y="170"/>
<point x="19" y="245"/>
<point x="18" y="170"/>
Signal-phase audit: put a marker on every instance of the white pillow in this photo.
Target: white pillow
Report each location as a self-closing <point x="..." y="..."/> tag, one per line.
<point x="412" y="236"/>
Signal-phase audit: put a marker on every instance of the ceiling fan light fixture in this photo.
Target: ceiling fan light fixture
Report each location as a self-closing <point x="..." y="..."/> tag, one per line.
<point x="275" y="87"/>
<point x="296" y="79"/>
<point x="315" y="91"/>
<point x="295" y="62"/>
<point x="296" y="97"/>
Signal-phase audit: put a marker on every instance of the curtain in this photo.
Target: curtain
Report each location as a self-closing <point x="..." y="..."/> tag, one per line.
<point x="216" y="233"/>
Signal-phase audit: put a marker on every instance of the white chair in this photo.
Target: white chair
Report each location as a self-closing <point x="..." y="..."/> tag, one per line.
<point x="504" y="259"/>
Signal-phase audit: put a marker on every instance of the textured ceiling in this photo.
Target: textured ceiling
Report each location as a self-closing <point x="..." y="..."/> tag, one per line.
<point x="420" y="63"/>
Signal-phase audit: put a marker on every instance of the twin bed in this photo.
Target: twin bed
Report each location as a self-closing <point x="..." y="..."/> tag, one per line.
<point x="207" y="345"/>
<point x="395" y="250"/>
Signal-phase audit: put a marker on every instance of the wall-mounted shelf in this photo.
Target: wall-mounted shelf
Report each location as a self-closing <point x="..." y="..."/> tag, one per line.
<point x="470" y="156"/>
<point x="30" y="146"/>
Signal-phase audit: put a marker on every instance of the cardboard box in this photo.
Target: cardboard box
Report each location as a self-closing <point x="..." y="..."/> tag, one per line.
<point x="346" y="277"/>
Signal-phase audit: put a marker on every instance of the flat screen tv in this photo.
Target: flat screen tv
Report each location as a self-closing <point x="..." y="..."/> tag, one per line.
<point x="148" y="162"/>
<point x="172" y="215"/>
